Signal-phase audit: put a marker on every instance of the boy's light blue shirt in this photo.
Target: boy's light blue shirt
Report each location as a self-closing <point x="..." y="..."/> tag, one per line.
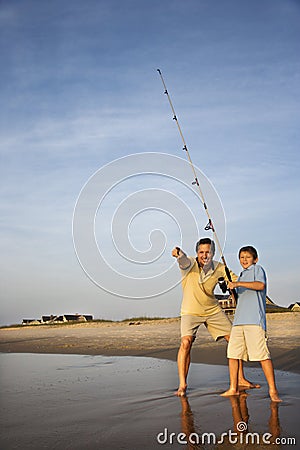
<point x="251" y="306"/>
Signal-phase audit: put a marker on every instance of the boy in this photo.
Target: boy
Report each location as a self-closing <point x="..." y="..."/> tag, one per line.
<point x="247" y="338"/>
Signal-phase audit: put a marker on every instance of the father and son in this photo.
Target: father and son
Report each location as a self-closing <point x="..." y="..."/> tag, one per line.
<point x="246" y="336"/>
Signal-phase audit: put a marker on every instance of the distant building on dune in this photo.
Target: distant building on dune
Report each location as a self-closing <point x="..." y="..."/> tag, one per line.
<point x="67" y="318"/>
<point x="31" y="322"/>
<point x="52" y="319"/>
<point x="273" y="307"/>
<point x="228" y="304"/>
<point x="295" y="306"/>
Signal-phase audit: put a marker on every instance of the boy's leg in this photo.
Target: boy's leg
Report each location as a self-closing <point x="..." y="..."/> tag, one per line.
<point x="242" y="380"/>
<point x="235" y="351"/>
<point x="219" y="326"/>
<point x="267" y="367"/>
<point x="233" y="374"/>
<point x="255" y="337"/>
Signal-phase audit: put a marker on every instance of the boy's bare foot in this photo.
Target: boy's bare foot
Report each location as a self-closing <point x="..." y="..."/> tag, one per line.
<point x="229" y="393"/>
<point x="274" y="396"/>
<point x="181" y="392"/>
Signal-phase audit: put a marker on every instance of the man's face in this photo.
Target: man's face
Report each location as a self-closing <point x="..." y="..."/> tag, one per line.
<point x="204" y="254"/>
<point x="246" y="260"/>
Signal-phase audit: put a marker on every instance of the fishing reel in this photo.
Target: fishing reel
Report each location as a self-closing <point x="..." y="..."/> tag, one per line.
<point x="222" y="284"/>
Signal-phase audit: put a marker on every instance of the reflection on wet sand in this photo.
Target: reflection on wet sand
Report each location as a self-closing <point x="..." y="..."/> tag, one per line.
<point x="187" y="424"/>
<point x="240" y="436"/>
<point x="241" y="416"/>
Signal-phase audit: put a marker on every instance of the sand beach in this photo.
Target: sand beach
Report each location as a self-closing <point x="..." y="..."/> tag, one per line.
<point x="111" y="385"/>
<point x="148" y="338"/>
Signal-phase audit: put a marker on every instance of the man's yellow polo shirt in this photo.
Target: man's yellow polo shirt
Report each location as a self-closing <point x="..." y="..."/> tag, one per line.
<point x="198" y="288"/>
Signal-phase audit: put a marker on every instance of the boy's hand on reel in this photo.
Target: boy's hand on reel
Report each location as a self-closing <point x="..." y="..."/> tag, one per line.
<point x="231" y="285"/>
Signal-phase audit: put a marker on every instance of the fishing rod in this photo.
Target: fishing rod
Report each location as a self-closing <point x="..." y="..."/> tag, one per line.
<point x="210" y="225"/>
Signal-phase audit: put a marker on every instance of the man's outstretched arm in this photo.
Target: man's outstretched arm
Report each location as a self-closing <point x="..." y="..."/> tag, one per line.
<point x="183" y="261"/>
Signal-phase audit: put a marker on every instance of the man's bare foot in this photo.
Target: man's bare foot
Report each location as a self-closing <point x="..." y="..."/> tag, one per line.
<point x="245" y="384"/>
<point x="230" y="392"/>
<point x="181" y="392"/>
<point x="274" y="396"/>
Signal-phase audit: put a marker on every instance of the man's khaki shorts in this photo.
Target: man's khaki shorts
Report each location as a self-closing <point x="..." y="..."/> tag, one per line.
<point x="218" y="325"/>
<point x="248" y="342"/>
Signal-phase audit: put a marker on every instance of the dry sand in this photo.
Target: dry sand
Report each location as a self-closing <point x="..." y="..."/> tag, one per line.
<point x="152" y="338"/>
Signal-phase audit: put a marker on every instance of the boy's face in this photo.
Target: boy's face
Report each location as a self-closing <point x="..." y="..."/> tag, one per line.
<point x="246" y="260"/>
<point x="204" y="254"/>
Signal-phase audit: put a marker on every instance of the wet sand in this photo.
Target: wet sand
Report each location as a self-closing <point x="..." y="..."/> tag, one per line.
<point x="58" y="392"/>
<point x="94" y="402"/>
<point x="159" y="339"/>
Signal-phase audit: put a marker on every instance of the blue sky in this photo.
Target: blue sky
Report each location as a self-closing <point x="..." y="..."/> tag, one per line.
<point x="79" y="89"/>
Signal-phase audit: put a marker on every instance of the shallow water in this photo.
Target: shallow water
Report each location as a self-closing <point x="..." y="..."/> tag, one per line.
<point x="95" y="402"/>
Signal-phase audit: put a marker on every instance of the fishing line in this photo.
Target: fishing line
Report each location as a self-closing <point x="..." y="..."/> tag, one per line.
<point x="210" y="225"/>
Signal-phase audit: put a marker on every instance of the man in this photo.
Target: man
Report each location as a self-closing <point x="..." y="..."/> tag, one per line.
<point x="199" y="305"/>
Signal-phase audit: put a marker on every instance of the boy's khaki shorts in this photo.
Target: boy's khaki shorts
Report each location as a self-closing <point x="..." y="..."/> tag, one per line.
<point x="248" y="342"/>
<point x="218" y="325"/>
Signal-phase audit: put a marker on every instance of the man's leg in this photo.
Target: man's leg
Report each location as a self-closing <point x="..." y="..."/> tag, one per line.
<point x="267" y="367"/>
<point x="183" y="362"/>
